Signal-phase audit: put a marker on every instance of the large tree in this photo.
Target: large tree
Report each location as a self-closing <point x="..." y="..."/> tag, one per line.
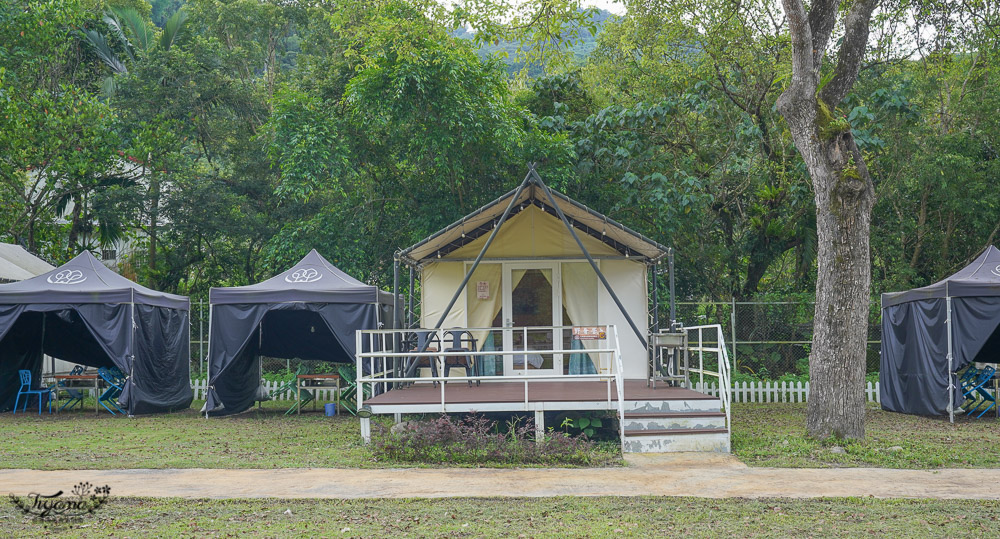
<point x="844" y="196"/>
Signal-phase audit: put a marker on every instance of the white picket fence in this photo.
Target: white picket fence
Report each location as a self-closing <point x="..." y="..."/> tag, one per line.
<point x="742" y="391"/>
<point x="322" y="393"/>
<point x="776" y="391"/>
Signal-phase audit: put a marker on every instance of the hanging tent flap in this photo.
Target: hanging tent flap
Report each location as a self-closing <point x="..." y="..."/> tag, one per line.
<point x="159" y="379"/>
<point x="242" y="333"/>
<point x="913" y="375"/>
<point x="91" y="335"/>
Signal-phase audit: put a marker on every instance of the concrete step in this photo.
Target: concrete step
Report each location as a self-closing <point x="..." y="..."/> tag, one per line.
<point x="646" y="421"/>
<point x="674" y="440"/>
<point x="673" y="406"/>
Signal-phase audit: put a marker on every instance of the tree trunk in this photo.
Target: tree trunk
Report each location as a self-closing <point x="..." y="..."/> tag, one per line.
<point x="844" y="198"/>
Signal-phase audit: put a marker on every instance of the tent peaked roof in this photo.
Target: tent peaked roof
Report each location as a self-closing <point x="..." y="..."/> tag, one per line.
<point x="312" y="279"/>
<point x="480" y="222"/>
<point x="85" y="280"/>
<point x="980" y="278"/>
<point x="17" y="264"/>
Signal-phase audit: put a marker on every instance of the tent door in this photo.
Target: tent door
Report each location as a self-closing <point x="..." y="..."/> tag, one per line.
<point x="532" y="296"/>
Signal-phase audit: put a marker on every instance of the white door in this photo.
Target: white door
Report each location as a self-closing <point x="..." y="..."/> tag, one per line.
<point x="532" y="296"/>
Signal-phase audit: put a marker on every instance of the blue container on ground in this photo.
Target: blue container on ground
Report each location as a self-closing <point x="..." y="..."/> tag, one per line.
<point x="330" y="408"/>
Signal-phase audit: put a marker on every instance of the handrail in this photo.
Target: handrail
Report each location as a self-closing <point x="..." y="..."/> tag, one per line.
<point x="376" y="376"/>
<point x="619" y="381"/>
<point x="723" y="374"/>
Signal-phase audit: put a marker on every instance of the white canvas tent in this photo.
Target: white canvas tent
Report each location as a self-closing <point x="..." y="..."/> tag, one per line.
<point x="17" y="264"/>
<point x="534" y="243"/>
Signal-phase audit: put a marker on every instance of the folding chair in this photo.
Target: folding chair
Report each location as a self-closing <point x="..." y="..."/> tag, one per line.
<point x="110" y="394"/>
<point x="985" y="376"/>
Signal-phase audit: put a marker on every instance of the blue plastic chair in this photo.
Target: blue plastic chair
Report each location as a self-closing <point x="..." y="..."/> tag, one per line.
<point x="111" y="393"/>
<point x="984" y="377"/>
<point x="27" y="391"/>
<point x="75" y="395"/>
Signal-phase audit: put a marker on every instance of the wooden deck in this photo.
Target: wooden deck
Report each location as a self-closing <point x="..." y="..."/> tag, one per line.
<point x="496" y="396"/>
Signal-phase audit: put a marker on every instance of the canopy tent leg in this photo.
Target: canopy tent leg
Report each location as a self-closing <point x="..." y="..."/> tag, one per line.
<point x="951" y="375"/>
<point x="208" y="366"/>
<point x="586" y="254"/>
<point x="412" y="363"/>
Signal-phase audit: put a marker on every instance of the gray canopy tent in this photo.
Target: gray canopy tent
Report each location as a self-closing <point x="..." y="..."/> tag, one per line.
<point x="311" y="312"/>
<point x="85" y="313"/>
<point x="920" y="355"/>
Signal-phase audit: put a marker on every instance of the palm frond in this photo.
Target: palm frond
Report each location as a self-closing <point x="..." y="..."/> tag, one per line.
<point x="104" y="51"/>
<point x="172" y="30"/>
<point x="116" y="28"/>
<point x="138" y="28"/>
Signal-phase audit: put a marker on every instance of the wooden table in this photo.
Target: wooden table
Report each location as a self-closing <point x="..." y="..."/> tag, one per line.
<point x="310" y="381"/>
<point x="80" y="382"/>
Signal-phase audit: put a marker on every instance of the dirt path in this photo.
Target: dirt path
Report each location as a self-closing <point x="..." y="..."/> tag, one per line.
<point x="681" y="474"/>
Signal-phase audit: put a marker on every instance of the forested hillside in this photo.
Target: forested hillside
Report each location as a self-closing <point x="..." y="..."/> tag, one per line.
<point x="226" y="138"/>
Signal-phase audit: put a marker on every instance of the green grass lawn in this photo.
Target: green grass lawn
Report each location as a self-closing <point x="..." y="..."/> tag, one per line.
<point x="763" y="435"/>
<point x="267" y="438"/>
<point x="546" y="517"/>
<point x="775" y="435"/>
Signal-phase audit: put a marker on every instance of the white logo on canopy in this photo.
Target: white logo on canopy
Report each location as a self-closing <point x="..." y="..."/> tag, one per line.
<point x="67" y="277"/>
<point x="996" y="271"/>
<point x="304" y="275"/>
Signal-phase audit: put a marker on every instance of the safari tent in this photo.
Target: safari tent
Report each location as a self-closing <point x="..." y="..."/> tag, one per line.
<point x="534" y="273"/>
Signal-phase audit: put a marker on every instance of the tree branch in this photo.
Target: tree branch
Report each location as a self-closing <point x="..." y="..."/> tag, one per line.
<point x="804" y="77"/>
<point x="852" y="51"/>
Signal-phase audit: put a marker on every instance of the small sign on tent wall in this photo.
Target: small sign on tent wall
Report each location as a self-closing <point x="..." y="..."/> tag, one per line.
<point x="483" y="290"/>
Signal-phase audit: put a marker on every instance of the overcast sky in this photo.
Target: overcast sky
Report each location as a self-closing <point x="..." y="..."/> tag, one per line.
<point x="614" y="6"/>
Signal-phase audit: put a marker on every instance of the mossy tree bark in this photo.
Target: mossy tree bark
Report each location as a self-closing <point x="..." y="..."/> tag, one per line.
<point x="844" y="197"/>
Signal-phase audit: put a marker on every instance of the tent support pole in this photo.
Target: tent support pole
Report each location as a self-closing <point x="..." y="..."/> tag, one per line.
<point x="208" y="366"/>
<point x="396" y="322"/>
<point x="409" y="301"/>
<point x="586" y="254"/>
<point x="673" y="301"/>
<point x="951" y="383"/>
<point x="493" y="234"/>
<point x="656" y="299"/>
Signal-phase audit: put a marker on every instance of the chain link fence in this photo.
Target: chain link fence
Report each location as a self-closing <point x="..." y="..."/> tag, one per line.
<point x="768" y="340"/>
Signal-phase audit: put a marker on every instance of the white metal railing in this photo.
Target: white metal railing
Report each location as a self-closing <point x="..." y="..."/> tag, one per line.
<point x="379" y="353"/>
<point x="716" y="345"/>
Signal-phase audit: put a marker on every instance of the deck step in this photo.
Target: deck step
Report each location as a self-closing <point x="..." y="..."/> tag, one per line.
<point x="658" y="415"/>
<point x="673" y="432"/>
<point x="672" y="406"/>
<point x="675" y="440"/>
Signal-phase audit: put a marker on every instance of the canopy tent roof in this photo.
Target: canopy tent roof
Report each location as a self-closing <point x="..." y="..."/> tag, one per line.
<point x="17" y="264"/>
<point x="85" y="280"/>
<point x="980" y="278"/>
<point x="480" y="222"/>
<point x="312" y="279"/>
